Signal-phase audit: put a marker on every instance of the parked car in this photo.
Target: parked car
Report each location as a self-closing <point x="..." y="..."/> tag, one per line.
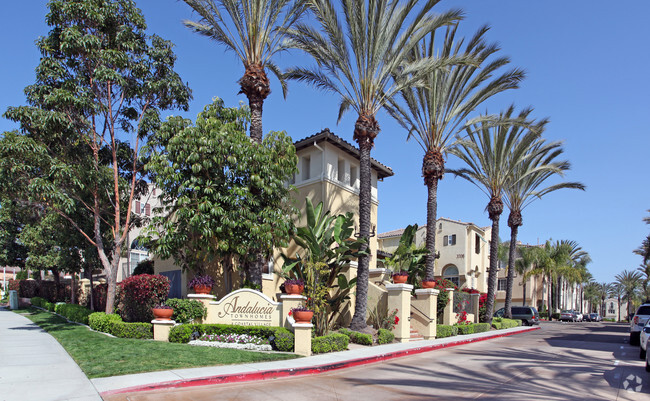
<point x="636" y="324"/>
<point x="527" y="314"/>
<point x="594" y="317"/>
<point x="568" y="316"/>
<point x="643" y="339"/>
<point x="579" y="317"/>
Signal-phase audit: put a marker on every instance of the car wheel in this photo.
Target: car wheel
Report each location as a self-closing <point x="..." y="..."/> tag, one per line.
<point x="634" y="338"/>
<point x="641" y="353"/>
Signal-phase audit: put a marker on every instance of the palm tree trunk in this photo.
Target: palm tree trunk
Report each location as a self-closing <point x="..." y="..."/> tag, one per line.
<point x="432" y="210"/>
<point x="549" y="304"/>
<point x="256" y="131"/>
<point x="511" y="268"/>
<point x="523" y="302"/>
<point x="492" y="275"/>
<point x="359" y="319"/>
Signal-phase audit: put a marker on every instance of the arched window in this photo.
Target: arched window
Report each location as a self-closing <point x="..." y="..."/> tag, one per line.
<point x="451" y="273"/>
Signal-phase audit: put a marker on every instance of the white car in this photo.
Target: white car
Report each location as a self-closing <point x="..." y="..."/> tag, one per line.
<point x="636" y="324"/>
<point x="643" y="342"/>
<point x="579" y="317"/>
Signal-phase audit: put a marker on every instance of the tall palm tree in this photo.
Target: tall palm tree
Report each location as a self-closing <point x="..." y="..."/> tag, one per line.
<point x="432" y="114"/>
<point x="491" y="152"/>
<point x="630" y="281"/>
<point x="592" y="294"/>
<point x="363" y="58"/>
<point x="644" y="269"/>
<point x="529" y="257"/>
<point x="529" y="182"/>
<point x="604" y="290"/>
<point x="617" y="291"/>
<point x="255" y="31"/>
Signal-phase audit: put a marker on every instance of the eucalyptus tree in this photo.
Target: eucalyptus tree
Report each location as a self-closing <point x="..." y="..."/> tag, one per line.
<point x="101" y="80"/>
<point x="491" y="152"/>
<point x="363" y="58"/>
<point x="255" y="31"/>
<point x="529" y="182"/>
<point x="631" y="282"/>
<point x="436" y="111"/>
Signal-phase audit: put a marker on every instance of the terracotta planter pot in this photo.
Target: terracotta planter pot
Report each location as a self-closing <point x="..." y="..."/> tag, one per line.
<point x="294" y="289"/>
<point x="163" y="314"/>
<point x="202" y="289"/>
<point x="400" y="279"/>
<point x="428" y="284"/>
<point x="303" y="316"/>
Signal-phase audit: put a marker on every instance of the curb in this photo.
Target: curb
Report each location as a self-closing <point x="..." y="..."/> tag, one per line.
<point x="311" y="370"/>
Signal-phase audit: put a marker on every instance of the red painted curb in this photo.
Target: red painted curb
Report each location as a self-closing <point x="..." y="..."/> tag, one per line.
<point x="271" y="374"/>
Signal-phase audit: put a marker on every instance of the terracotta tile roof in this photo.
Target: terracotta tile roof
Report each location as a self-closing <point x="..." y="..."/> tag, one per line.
<point x="327" y="136"/>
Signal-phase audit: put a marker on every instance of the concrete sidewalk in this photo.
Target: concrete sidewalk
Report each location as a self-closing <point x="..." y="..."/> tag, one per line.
<point x="192" y="377"/>
<point x="34" y="366"/>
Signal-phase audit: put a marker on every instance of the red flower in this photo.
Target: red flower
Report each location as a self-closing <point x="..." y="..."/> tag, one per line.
<point x="396" y="320"/>
<point x="290" y="313"/>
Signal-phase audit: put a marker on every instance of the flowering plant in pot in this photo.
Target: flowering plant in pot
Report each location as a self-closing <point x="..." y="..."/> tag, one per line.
<point x="302" y="314"/>
<point x="294" y="286"/>
<point x="162" y="312"/>
<point x="201" y="284"/>
<point x="429" y="282"/>
<point x="400" y="277"/>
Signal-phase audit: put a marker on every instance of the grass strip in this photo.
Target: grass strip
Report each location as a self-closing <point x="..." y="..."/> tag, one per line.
<point x="100" y="356"/>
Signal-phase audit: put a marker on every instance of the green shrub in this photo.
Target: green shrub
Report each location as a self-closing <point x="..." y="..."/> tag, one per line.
<point x="385" y="336"/>
<point x="503" y="323"/>
<point x="131" y="330"/>
<point x="481" y="327"/>
<point x="330" y="343"/>
<point x="444" y="330"/>
<point x="186" y="310"/>
<point x="49" y="306"/>
<point x="357" y="337"/>
<point x="465" y="329"/>
<point x="100" y="321"/>
<point x="75" y="313"/>
<point x="38" y="301"/>
<point x="282" y="340"/>
<point x="555" y="316"/>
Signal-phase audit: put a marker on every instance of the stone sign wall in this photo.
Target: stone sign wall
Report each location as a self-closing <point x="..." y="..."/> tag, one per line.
<point x="245" y="307"/>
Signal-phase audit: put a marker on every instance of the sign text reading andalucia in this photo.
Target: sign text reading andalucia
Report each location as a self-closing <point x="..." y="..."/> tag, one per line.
<point x="247" y="313"/>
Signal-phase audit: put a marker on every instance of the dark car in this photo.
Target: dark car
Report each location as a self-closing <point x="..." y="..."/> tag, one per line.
<point x="594" y="317"/>
<point x="527" y="314"/>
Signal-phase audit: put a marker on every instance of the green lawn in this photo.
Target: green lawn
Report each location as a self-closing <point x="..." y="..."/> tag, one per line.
<point x="99" y="355"/>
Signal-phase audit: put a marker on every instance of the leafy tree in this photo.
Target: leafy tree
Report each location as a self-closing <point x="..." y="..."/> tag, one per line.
<point x="12" y="221"/>
<point x="327" y="249"/>
<point x="363" y="58"/>
<point x="491" y="152"/>
<point x="434" y="112"/>
<point x="100" y="80"/>
<point x="528" y="183"/>
<point x="255" y="31"/>
<point x="208" y="173"/>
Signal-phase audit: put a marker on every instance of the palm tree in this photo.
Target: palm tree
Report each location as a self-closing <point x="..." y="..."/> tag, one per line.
<point x="255" y="31"/>
<point x="432" y="114"/>
<point x="603" y="292"/>
<point x="529" y="182"/>
<point x="630" y="281"/>
<point x="529" y="257"/>
<point x="592" y="294"/>
<point x="617" y="291"/>
<point x="364" y="59"/>
<point x="644" y="269"/>
<point x="491" y="153"/>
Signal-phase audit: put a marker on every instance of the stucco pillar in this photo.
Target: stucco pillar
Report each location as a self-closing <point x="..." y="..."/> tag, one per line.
<point x="302" y="338"/>
<point x="399" y="297"/>
<point x="161" y="329"/>
<point x="289" y="302"/>
<point x="448" y="316"/>
<point x="426" y="301"/>
<point x="205" y="299"/>
<point x="475" y="298"/>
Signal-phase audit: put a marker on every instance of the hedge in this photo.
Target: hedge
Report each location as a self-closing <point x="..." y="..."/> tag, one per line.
<point x="131" y="330"/>
<point x="186" y="310"/>
<point x="385" y="336"/>
<point x="503" y="323"/>
<point x="357" y="337"/>
<point x="100" y="321"/>
<point x="282" y="339"/>
<point x="330" y="343"/>
<point x="465" y="329"/>
<point x="38" y="301"/>
<point x="444" y="330"/>
<point x="481" y="327"/>
<point x="76" y="313"/>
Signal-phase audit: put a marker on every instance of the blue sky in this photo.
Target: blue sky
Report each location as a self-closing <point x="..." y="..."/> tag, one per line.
<point x="586" y="65"/>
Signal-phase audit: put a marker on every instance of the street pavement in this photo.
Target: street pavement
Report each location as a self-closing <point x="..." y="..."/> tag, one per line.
<point x="34" y="366"/>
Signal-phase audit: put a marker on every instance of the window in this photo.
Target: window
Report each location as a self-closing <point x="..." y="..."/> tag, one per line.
<point x="147" y="209"/>
<point x="449" y="240"/>
<point x="354" y="176"/>
<point x="477" y="244"/>
<point x="502" y="284"/>
<point x="611" y="305"/>
<point x="137" y="207"/>
<point x="341" y="172"/>
<point x="306" y="162"/>
<point x="451" y="273"/>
